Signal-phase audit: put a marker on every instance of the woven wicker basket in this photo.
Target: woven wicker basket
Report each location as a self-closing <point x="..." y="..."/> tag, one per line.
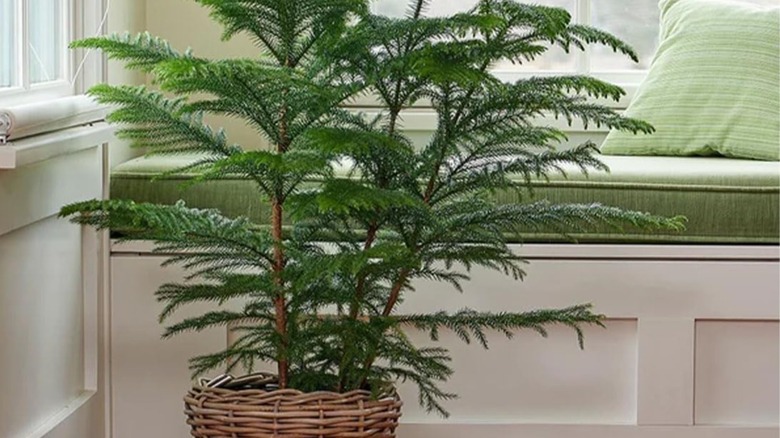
<point x="287" y="413"/>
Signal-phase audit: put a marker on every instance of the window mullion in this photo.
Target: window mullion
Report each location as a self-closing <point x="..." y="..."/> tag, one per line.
<point x="89" y="21"/>
<point x="68" y="25"/>
<point x="23" y="44"/>
<point x="32" y="29"/>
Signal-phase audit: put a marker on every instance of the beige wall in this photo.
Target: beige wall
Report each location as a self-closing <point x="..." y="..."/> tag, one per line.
<point x="184" y="23"/>
<point x="124" y="16"/>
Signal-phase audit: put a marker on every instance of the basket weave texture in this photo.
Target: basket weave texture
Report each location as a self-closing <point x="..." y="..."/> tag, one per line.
<point x="288" y="413"/>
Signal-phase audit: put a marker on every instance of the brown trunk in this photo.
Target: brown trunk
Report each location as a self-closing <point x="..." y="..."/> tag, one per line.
<point x="279" y="302"/>
<point x="361" y="283"/>
<point x="277" y="218"/>
<point x="395" y="293"/>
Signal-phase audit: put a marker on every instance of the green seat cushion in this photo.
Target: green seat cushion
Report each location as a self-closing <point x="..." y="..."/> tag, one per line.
<point x="725" y="200"/>
<point x="713" y="85"/>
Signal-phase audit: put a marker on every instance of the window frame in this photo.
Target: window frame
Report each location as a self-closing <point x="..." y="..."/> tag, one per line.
<point x="629" y="80"/>
<point x="81" y="18"/>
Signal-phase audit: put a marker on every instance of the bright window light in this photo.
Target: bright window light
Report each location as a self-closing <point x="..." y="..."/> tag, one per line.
<point x="764" y="2"/>
<point x="635" y="21"/>
<point x="45" y="41"/>
<point x="34" y="54"/>
<point x="7" y="53"/>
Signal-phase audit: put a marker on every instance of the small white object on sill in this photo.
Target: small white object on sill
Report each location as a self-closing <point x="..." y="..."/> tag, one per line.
<point x="39" y="118"/>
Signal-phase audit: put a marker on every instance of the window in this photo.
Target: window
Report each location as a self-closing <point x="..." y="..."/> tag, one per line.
<point x="635" y="21"/>
<point x="34" y="59"/>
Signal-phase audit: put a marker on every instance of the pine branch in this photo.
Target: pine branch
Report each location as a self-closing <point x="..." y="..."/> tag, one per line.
<point x="256" y="91"/>
<point x="213" y="319"/>
<point x="223" y="289"/>
<point x="580" y="218"/>
<point x="143" y="51"/>
<point x="425" y="367"/>
<point x="469" y="324"/>
<point x="277" y="175"/>
<point x="545" y="21"/>
<point x="286" y="29"/>
<point x="162" y="125"/>
<point x="492" y="167"/>
<point x="580" y="35"/>
<point x="578" y="84"/>
<point x="229" y="359"/>
<point x="201" y="239"/>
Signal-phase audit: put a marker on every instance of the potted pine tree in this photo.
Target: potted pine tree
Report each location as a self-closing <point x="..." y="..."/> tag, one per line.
<point x="327" y="314"/>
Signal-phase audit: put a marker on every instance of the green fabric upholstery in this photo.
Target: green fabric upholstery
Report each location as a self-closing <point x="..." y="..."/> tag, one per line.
<point x="725" y="200"/>
<point x="712" y="88"/>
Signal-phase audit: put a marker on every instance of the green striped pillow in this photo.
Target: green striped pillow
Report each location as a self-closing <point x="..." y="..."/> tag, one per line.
<point x="714" y="85"/>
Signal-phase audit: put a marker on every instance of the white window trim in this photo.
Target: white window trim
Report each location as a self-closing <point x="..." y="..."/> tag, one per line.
<point x="629" y="80"/>
<point x="83" y="18"/>
<point x="90" y="20"/>
<point x="67" y="121"/>
<point x="48" y="90"/>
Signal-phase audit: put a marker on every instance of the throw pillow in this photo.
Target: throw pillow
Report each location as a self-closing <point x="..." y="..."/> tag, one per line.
<point x="713" y="87"/>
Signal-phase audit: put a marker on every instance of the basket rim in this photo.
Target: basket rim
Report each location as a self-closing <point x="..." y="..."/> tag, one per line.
<point x="390" y="391"/>
<point x="361" y="393"/>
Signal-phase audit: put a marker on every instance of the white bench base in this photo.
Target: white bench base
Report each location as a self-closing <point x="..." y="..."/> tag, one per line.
<point x="691" y="347"/>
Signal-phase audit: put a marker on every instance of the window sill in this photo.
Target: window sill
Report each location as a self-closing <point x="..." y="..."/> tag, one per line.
<point x="38" y="148"/>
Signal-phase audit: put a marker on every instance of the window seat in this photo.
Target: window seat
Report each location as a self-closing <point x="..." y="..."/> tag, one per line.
<point x="692" y="341"/>
<point x="726" y="201"/>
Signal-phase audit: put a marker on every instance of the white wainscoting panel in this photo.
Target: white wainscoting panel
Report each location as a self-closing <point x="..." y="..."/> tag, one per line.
<point x="618" y="288"/>
<point x="38" y="191"/>
<point x="539" y="380"/>
<point x="665" y="373"/>
<point x="658" y="361"/>
<point x="737" y="377"/>
<point x="41" y="363"/>
<point x="50" y="319"/>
